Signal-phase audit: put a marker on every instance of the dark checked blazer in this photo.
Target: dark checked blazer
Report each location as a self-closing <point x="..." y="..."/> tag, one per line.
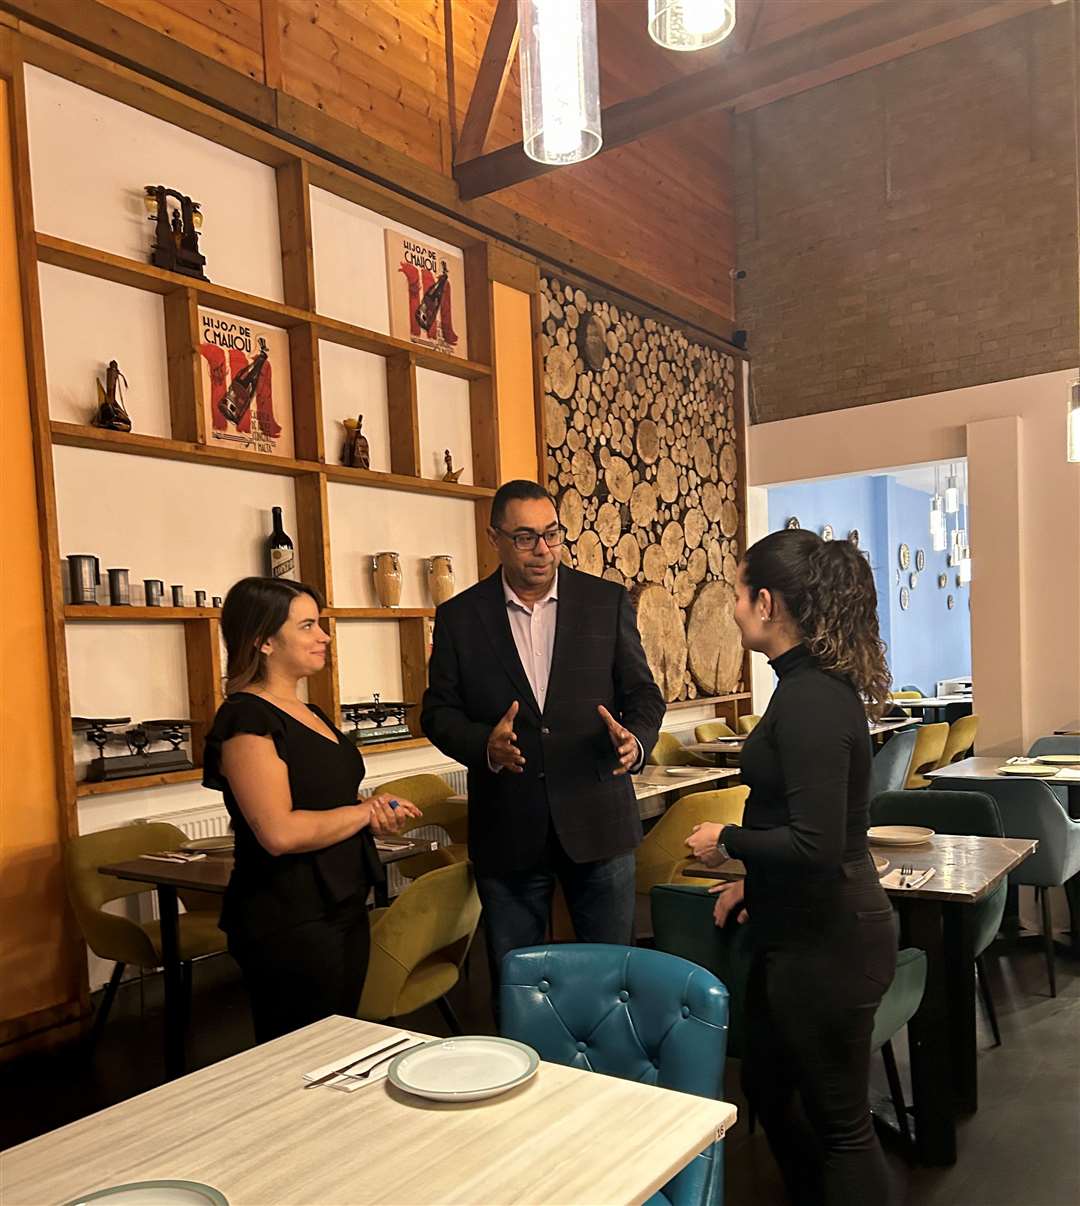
<point x="475" y="675"/>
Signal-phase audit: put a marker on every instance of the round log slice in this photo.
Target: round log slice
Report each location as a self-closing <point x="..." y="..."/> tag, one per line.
<point x="729" y="463"/>
<point x="609" y="524"/>
<point x="663" y="638"/>
<point x="554" y="421"/>
<point x="667" y="480"/>
<point x="654" y="563"/>
<point x="562" y="371"/>
<point x="672" y="541"/>
<point x="694" y="525"/>
<point x="731" y="569"/>
<point x="716" y="557"/>
<point x="572" y="513"/>
<point x="648" y="441"/>
<point x="697" y="565"/>
<point x="711" y="501"/>
<point x="643" y="503"/>
<point x="620" y="479"/>
<point x="628" y="555"/>
<point x="589" y="553"/>
<point x="592" y="342"/>
<point x="702" y="455"/>
<point x="584" y="469"/>
<point x="685" y="586"/>
<point x="729" y="518"/>
<point x="712" y="639"/>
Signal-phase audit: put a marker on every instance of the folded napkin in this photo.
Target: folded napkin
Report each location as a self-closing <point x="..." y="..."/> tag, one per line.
<point x="1070" y="776"/>
<point x="348" y="1067"/>
<point x="908" y="882"/>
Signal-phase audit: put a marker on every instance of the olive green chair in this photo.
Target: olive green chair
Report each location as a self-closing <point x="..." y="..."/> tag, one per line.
<point x="713" y="730"/>
<point x="419" y="943"/>
<point x="747" y="724"/>
<point x="682" y="918"/>
<point x="119" y="938"/>
<point x="431" y="794"/>
<point x="929" y="746"/>
<point x="960" y="741"/>
<point x="907" y="693"/>
<point x="662" y="854"/>
<point x="670" y="751"/>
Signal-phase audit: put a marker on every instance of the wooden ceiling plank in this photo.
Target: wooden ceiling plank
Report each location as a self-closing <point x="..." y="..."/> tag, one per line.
<point x="863" y="38"/>
<point x="491" y="80"/>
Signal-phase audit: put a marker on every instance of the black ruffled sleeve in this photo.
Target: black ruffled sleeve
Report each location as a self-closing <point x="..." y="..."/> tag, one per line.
<point x="240" y="713"/>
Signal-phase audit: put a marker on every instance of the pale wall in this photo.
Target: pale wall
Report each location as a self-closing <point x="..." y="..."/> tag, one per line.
<point x="1025" y="527"/>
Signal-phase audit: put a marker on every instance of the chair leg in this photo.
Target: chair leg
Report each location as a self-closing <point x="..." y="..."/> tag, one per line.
<point x="987" y="998"/>
<point x="106" y="1003"/>
<point x="896" y="1091"/>
<point x="449" y="1016"/>
<point x="1048" y="939"/>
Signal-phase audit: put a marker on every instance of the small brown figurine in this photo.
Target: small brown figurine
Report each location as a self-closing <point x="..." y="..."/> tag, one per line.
<point x="451" y="474"/>
<point x="111" y="412"/>
<point x="357" y="452"/>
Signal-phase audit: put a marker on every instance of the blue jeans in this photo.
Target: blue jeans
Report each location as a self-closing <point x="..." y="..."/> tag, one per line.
<point x="517" y="906"/>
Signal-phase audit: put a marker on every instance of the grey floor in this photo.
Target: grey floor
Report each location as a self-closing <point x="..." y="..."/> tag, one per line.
<point x="1022" y="1147"/>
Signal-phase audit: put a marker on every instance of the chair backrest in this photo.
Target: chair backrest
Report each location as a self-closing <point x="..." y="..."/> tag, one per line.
<point x="669" y="751"/>
<point x="960" y="741"/>
<point x="430" y="794"/>
<point x="889" y="770"/>
<point x="663" y="850"/>
<point x="929" y="742"/>
<point x="1054" y="744"/>
<point x="903" y="997"/>
<point x="712" y="730"/>
<point x="110" y="936"/>
<point x="748" y="723"/>
<point x="906" y="693"/>
<point x="638" y="1014"/>
<point x="1029" y="808"/>
<point x="426" y="930"/>
<point x="963" y="812"/>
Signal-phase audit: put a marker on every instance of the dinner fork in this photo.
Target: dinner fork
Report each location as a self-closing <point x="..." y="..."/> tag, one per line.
<point x="906" y="874"/>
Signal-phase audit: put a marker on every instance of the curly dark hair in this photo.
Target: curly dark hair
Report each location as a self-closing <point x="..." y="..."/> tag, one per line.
<point x="828" y="588"/>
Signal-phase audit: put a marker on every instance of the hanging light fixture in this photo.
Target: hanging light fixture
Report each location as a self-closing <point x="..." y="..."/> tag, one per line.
<point x="952" y="492"/>
<point x="560" y="82"/>
<point x="690" y="24"/>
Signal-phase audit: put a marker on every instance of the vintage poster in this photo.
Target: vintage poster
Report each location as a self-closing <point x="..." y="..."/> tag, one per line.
<point x="426" y="288"/>
<point x="247" y="394"/>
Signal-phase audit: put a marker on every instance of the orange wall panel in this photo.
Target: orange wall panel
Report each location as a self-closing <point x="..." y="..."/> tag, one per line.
<point x="514" y="382"/>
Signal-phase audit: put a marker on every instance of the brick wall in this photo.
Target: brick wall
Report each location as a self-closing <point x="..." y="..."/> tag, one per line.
<point x="912" y="228"/>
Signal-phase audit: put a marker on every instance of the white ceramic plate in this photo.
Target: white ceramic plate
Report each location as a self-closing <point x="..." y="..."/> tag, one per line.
<point x="154" y="1193"/>
<point x="210" y="845"/>
<point x="464" y="1069"/>
<point x="899" y="835"/>
<point x="1059" y="759"/>
<point x="1028" y="768"/>
<point x="684" y="770"/>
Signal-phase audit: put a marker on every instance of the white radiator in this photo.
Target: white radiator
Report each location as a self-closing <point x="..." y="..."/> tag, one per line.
<point x="211" y="821"/>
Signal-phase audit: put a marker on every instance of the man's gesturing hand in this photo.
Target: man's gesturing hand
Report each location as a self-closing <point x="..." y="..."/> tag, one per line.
<point x="625" y="743"/>
<point x="502" y="750"/>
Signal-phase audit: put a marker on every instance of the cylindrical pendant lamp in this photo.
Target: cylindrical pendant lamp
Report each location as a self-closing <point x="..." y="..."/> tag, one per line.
<point x="690" y="24"/>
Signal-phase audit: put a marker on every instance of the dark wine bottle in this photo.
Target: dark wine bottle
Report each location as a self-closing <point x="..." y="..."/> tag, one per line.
<point x="280" y="558"/>
<point x="428" y="309"/>
<point x="238" y="398"/>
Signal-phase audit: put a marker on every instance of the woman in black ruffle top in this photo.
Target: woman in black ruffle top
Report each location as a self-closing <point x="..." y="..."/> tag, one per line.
<point x="822" y="930"/>
<point x="295" y="910"/>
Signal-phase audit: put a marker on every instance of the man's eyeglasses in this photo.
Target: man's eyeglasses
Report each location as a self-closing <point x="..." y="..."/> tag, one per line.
<point x="526" y="542"/>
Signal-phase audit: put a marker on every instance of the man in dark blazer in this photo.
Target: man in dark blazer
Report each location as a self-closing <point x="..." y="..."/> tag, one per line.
<point x="540" y="687"/>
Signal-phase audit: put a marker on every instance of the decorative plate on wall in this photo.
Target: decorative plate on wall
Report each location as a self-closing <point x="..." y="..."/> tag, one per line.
<point x="959" y="582"/>
<point x="793" y="522"/>
<point x="827" y="532"/>
<point x="913" y="579"/>
<point x="905" y="557"/>
<point x="897" y="577"/>
<point x="853" y="536"/>
<point x="905" y="598"/>
<point x="920" y="560"/>
<point x="942" y="581"/>
<point x="950" y="602"/>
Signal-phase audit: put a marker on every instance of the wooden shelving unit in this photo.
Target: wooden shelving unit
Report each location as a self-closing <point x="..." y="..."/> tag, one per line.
<point x="309" y="468"/>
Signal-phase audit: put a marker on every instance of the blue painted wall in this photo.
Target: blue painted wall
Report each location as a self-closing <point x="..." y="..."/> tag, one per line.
<point x="927" y="642"/>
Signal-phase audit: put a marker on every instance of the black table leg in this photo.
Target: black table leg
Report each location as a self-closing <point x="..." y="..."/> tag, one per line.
<point x="960" y="989"/>
<point x="381" y="894"/>
<point x="175" y="1056"/>
<point x="929" y="1039"/>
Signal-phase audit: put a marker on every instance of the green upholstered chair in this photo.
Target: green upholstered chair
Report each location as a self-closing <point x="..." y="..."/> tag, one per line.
<point x="960" y="741"/>
<point x="961" y="812"/>
<point x="663" y="852"/>
<point x="670" y="751"/>
<point x="431" y="794"/>
<point x="419" y="943"/>
<point x="682" y="918"/>
<point x="119" y="938"/>
<point x="747" y="724"/>
<point x="929" y="746"/>
<point x="712" y="730"/>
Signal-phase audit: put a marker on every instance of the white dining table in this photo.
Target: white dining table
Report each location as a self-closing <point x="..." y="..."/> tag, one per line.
<point x="248" y="1128"/>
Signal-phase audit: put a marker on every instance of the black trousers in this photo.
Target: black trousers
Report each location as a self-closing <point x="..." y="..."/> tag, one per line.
<point x="810" y="1010"/>
<point x="305" y="973"/>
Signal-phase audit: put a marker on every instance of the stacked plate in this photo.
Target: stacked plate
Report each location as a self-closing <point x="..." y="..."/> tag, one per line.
<point x="899" y="835"/>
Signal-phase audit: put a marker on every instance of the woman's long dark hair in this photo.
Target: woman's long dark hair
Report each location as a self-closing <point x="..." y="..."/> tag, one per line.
<point x="254" y="609"/>
<point x="828" y="588"/>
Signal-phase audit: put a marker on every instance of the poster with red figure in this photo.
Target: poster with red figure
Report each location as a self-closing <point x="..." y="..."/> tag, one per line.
<point x="426" y="287"/>
<point x="247" y="395"/>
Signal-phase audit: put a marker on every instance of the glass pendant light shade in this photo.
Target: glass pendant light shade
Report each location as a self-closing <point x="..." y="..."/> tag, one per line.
<point x="963" y="567"/>
<point x="952" y="494"/>
<point x="690" y="24"/>
<point x="560" y="82"/>
<point x="1072" y="431"/>
<point x="938" y="540"/>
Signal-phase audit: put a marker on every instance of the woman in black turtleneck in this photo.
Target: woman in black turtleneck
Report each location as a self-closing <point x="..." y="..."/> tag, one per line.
<point x="822" y="929"/>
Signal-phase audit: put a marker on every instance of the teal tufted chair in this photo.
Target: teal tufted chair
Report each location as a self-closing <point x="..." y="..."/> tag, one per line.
<point x="628" y="1012"/>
